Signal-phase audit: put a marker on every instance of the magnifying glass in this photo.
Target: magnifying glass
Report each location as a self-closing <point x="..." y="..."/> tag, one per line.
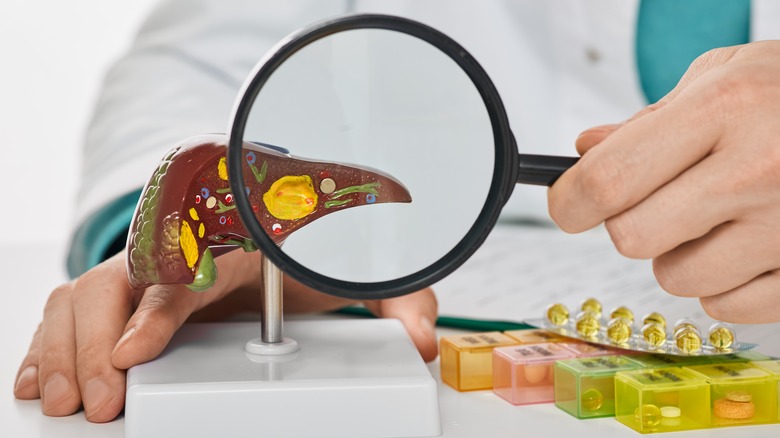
<point x="394" y="97"/>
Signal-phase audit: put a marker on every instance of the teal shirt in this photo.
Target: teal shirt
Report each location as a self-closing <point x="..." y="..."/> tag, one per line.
<point x="101" y="235"/>
<point x="670" y="35"/>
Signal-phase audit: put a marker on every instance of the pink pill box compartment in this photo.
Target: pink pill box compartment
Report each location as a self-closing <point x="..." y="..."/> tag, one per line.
<point x="524" y="374"/>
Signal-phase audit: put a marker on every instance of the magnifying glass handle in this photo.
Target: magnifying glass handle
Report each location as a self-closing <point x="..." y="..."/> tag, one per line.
<point x="542" y="170"/>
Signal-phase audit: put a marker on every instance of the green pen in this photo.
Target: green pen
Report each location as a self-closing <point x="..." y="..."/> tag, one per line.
<point x="483" y="325"/>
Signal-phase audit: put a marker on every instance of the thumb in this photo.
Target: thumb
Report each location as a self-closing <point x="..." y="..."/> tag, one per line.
<point x="162" y="309"/>
<point x="417" y="312"/>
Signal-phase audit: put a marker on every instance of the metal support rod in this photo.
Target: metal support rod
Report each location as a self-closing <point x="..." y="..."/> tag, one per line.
<point x="271" y="304"/>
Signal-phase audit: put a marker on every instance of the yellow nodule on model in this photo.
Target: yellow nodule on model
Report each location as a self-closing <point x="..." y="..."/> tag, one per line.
<point x="291" y="197"/>
<point x="189" y="245"/>
<point x="222" y="168"/>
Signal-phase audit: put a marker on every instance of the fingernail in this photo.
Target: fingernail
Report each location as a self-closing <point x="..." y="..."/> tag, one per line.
<point x="125" y="337"/>
<point x="28" y="376"/>
<point x="600" y="129"/>
<point x="96" y="394"/>
<point x="56" y="390"/>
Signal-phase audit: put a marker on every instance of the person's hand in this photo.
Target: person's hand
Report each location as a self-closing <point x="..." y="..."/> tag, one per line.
<point x="96" y="327"/>
<point x="693" y="182"/>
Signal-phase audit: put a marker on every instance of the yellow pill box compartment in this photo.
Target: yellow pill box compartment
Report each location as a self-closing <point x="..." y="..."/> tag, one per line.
<point x="745" y="356"/>
<point x="662" y="400"/>
<point x="773" y="366"/>
<point x="467" y="360"/>
<point x="654" y="361"/>
<point x="585" y="387"/>
<point x="740" y="393"/>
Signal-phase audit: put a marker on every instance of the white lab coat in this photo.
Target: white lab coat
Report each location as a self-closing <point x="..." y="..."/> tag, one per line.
<point x="560" y="66"/>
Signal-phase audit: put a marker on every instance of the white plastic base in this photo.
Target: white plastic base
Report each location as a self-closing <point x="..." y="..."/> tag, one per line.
<point x="350" y="378"/>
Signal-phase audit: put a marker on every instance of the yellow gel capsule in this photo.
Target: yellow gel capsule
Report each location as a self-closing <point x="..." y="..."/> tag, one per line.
<point x="649" y="415"/>
<point x="721" y="336"/>
<point x="619" y="330"/>
<point x="588" y="324"/>
<point x="654" y="335"/>
<point x="685" y="323"/>
<point x="591" y="305"/>
<point x="623" y="312"/>
<point x="687" y="340"/>
<point x="654" y="318"/>
<point x="558" y="314"/>
<point x="592" y="399"/>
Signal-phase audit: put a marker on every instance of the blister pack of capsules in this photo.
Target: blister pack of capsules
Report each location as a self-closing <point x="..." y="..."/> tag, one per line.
<point x="650" y="334"/>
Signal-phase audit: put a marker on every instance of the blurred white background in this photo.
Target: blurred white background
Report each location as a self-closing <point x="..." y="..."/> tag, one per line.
<point x="54" y="56"/>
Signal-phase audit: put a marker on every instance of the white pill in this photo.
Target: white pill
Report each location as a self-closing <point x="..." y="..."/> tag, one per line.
<point x="670" y="411"/>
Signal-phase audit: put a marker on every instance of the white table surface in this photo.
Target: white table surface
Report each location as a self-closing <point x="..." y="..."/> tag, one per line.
<point x="30" y="274"/>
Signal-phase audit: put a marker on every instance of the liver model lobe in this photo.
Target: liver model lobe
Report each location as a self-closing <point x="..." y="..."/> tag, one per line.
<point x="186" y="215"/>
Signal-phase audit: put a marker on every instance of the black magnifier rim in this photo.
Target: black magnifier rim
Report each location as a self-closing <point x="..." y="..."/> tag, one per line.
<point x="501" y="185"/>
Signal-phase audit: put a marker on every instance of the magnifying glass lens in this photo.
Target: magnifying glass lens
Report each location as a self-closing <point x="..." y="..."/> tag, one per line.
<point x="371" y="156"/>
